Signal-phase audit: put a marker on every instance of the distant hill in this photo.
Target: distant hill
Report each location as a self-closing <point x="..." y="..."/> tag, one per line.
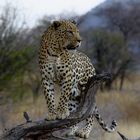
<point x="91" y="20"/>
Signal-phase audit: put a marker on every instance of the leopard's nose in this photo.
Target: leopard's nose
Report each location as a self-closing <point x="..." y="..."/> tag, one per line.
<point x="79" y="40"/>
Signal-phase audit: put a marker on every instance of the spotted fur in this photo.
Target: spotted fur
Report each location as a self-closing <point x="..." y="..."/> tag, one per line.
<point x="63" y="69"/>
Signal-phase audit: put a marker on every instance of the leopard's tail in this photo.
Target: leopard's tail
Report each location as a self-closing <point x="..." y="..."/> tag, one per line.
<point x="107" y="128"/>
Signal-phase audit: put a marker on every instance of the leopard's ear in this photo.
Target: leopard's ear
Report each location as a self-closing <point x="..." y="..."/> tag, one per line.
<point x="56" y="24"/>
<point x="74" y="22"/>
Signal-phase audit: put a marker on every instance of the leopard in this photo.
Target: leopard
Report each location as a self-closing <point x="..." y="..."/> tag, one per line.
<point x="64" y="73"/>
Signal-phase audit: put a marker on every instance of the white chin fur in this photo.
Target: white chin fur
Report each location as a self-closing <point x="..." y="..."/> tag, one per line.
<point x="79" y="44"/>
<point x="73" y="51"/>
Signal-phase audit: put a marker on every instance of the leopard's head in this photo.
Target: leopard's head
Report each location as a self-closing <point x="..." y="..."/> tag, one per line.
<point x="67" y="34"/>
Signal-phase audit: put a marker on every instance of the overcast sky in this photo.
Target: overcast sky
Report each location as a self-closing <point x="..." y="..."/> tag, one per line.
<point x="35" y="9"/>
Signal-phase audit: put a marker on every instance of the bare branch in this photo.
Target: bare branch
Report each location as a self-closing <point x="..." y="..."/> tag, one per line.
<point x="26" y="116"/>
<point x="124" y="138"/>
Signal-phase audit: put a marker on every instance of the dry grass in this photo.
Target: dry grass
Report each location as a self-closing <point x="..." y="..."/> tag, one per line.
<point x="127" y="105"/>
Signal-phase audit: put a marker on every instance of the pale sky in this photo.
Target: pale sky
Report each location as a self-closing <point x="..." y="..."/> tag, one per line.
<point x="32" y="10"/>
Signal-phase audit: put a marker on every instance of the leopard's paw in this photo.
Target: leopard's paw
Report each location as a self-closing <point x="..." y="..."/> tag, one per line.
<point x="83" y="133"/>
<point x="62" y="113"/>
<point x="72" y="131"/>
<point x="51" y="116"/>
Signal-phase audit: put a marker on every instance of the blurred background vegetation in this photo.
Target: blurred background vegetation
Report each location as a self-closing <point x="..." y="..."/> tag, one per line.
<point x="110" y="33"/>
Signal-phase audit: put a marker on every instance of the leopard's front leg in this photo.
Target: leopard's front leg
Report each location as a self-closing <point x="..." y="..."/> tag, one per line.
<point x="48" y="88"/>
<point x="66" y="87"/>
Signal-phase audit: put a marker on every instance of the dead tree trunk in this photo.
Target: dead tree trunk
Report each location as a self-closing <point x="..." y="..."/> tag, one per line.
<point x="39" y="130"/>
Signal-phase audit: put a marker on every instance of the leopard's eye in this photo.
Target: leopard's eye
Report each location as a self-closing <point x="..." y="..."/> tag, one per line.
<point x="69" y="32"/>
